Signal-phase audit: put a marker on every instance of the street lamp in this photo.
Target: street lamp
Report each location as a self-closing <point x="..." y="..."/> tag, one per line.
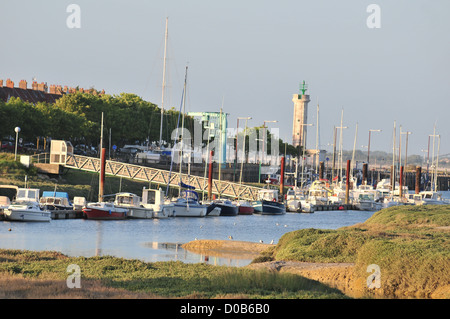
<point x="406" y="150"/>
<point x="303" y="143"/>
<point x="264" y="137"/>
<point x="243" y="147"/>
<point x="17" y="130"/>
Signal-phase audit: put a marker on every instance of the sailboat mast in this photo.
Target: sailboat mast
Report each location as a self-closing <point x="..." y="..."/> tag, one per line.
<point x="182" y="126"/>
<point x="102" y="167"/>
<point x="317" y="140"/>
<point x="163" y="84"/>
<point x="354" y="148"/>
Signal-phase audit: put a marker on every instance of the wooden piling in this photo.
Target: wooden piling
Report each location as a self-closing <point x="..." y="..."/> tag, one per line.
<point x="364" y="173"/>
<point x="347" y="183"/>
<point x="401" y="182"/>
<point x="418" y="179"/>
<point x="321" y="169"/>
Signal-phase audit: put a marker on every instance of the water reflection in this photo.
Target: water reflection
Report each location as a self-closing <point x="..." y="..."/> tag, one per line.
<point x="176" y="252"/>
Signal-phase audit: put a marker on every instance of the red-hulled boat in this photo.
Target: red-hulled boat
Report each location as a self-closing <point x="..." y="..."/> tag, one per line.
<point x="245" y="208"/>
<point x="104" y="210"/>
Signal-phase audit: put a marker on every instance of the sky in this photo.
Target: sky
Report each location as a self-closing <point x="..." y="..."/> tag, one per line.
<point x="249" y="57"/>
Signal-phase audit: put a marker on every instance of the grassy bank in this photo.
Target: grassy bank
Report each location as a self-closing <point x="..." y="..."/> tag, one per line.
<point x="104" y="277"/>
<point x="410" y="244"/>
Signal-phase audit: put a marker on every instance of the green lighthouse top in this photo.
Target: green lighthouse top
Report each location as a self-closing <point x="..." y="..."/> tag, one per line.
<point x="303" y="88"/>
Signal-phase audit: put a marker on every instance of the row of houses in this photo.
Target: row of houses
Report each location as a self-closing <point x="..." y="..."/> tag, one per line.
<point x="39" y="92"/>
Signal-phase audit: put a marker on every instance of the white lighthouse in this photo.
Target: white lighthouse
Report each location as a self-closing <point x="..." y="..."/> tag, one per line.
<point x="300" y="117"/>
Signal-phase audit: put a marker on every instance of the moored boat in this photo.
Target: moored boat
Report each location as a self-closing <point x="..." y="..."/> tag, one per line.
<point x="187" y="205"/>
<point x="154" y="200"/>
<point x="268" y="204"/>
<point x="26" y="207"/>
<point x="132" y="203"/>
<point x="245" y="208"/>
<point x="55" y="201"/>
<point x="227" y="208"/>
<point x="104" y="211"/>
<point x="26" y="211"/>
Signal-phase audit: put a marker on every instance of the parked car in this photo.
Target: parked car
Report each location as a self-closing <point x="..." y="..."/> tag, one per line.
<point x="7" y="146"/>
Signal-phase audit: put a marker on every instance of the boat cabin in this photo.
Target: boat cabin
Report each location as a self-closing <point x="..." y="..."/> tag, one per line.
<point x="152" y="197"/>
<point x="27" y="194"/>
<point x="55" y="200"/>
<point x="127" y="199"/>
<point x="268" y="194"/>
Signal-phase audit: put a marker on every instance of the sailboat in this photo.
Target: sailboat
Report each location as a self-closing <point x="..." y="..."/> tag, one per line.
<point x="187" y="203"/>
<point x="103" y="210"/>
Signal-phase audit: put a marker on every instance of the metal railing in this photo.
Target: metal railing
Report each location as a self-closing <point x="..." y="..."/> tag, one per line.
<point x="158" y="176"/>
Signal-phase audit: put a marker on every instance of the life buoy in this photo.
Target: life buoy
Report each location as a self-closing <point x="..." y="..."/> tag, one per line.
<point x="274" y="200"/>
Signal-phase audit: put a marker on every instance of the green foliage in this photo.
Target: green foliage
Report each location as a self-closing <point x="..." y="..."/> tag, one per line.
<point x="410" y="244"/>
<point x="315" y="245"/>
<point x="77" y="117"/>
<point x="167" y="279"/>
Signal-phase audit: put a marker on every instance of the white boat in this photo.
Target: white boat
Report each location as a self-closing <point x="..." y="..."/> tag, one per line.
<point x="132" y="202"/>
<point x="27" y="212"/>
<point x="293" y="200"/>
<point x="318" y="193"/>
<point x="367" y="202"/>
<point x="432" y="198"/>
<point x="154" y="199"/>
<point x="4" y="202"/>
<point x="187" y="205"/>
<point x="26" y="207"/>
<point x="366" y="198"/>
<point x="79" y="202"/>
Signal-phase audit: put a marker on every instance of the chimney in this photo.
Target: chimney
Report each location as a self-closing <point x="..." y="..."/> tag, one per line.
<point x="42" y="87"/>
<point x="1" y="83"/>
<point x="66" y="89"/>
<point x="34" y="85"/>
<point x="52" y="89"/>
<point x="9" y="84"/>
<point x="23" y="84"/>
<point x="59" y="90"/>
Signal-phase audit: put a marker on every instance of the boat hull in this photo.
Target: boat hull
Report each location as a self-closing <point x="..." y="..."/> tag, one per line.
<point x="189" y="210"/>
<point x="268" y="208"/>
<point x="246" y="210"/>
<point x="139" y="213"/>
<point x="228" y="210"/>
<point x="27" y="216"/>
<point x="102" y="214"/>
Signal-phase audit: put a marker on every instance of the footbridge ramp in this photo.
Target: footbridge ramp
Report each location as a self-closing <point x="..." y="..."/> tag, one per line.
<point x="62" y="155"/>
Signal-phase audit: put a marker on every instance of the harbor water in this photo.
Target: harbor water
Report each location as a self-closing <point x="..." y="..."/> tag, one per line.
<point x="154" y="240"/>
<point x="161" y="239"/>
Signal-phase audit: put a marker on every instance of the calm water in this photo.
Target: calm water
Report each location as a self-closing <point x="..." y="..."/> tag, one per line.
<point x="159" y="240"/>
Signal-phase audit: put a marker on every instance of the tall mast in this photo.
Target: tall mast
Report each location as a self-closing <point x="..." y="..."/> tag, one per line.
<point x="317" y="139"/>
<point x="182" y="126"/>
<point x="163" y="84"/>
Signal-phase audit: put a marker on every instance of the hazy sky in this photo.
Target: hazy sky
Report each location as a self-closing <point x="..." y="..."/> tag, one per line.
<point x="251" y="55"/>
